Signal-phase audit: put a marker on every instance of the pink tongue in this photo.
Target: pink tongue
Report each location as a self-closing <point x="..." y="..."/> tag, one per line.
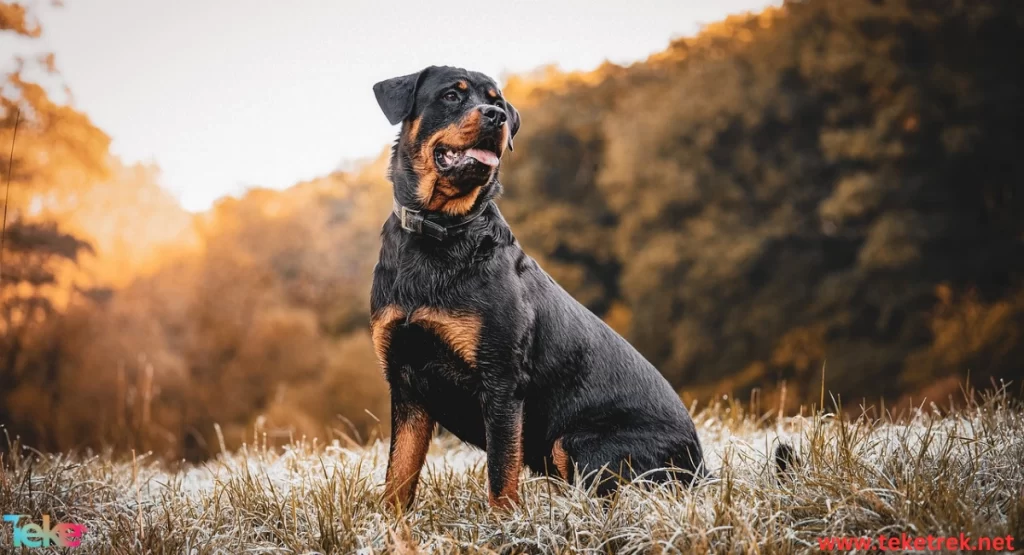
<point x="483" y="156"/>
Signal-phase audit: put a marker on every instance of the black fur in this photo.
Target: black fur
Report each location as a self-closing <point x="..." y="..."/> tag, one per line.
<point x="542" y="359"/>
<point x="786" y="461"/>
<point x="395" y="96"/>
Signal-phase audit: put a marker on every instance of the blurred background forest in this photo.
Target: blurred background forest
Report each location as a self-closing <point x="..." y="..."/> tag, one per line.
<point x="830" y="183"/>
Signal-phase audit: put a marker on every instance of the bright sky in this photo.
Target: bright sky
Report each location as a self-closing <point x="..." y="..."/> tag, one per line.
<point x="227" y="94"/>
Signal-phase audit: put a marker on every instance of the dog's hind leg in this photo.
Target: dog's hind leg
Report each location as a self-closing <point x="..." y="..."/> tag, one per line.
<point x="607" y="460"/>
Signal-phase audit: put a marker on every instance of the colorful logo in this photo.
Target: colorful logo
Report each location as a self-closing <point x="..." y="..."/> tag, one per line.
<point x="34" y="535"/>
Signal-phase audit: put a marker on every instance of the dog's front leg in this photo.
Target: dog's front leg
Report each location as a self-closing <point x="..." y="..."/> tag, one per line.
<point x="411" y="428"/>
<point x="503" y="422"/>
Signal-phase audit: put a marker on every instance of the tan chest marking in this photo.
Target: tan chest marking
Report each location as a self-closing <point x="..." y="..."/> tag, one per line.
<point x="459" y="330"/>
<point x="382" y="323"/>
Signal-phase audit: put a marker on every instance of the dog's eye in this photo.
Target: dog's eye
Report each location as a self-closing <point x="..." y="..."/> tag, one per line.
<point x="451" y="96"/>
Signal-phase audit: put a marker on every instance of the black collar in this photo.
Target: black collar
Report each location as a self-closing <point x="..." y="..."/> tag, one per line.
<point x="416" y="222"/>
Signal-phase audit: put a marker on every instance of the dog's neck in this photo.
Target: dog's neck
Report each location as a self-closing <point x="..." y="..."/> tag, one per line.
<point x="405" y="184"/>
<point x="484" y="214"/>
<point x="418" y="223"/>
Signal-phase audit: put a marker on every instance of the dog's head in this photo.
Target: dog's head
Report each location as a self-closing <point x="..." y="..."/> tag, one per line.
<point x="455" y="128"/>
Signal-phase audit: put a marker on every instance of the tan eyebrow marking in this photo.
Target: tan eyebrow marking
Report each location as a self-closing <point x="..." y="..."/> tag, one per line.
<point x="463" y="85"/>
<point x="492" y="93"/>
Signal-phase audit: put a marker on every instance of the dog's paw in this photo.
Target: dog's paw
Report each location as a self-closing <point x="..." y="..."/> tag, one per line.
<point x="504" y="502"/>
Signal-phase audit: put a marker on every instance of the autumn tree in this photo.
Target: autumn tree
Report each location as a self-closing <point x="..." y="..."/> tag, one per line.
<point x="56" y="154"/>
<point x="790" y="188"/>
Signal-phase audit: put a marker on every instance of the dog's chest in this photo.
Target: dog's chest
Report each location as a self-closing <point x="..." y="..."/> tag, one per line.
<point x="432" y="353"/>
<point x="421" y="296"/>
<point x="412" y="337"/>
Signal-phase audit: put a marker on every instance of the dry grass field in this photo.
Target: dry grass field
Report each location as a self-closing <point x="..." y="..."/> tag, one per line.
<point x="930" y="472"/>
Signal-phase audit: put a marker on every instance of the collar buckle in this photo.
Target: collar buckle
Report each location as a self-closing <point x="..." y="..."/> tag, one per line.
<point x="411" y="224"/>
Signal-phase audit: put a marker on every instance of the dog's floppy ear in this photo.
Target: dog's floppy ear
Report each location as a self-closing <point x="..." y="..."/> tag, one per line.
<point x="513" y="122"/>
<point x="396" y="96"/>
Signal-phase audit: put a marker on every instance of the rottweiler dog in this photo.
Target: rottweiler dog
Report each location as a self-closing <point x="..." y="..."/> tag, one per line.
<point x="473" y="335"/>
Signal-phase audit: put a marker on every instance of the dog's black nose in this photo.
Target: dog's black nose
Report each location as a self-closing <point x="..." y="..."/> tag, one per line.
<point x="494" y="113"/>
